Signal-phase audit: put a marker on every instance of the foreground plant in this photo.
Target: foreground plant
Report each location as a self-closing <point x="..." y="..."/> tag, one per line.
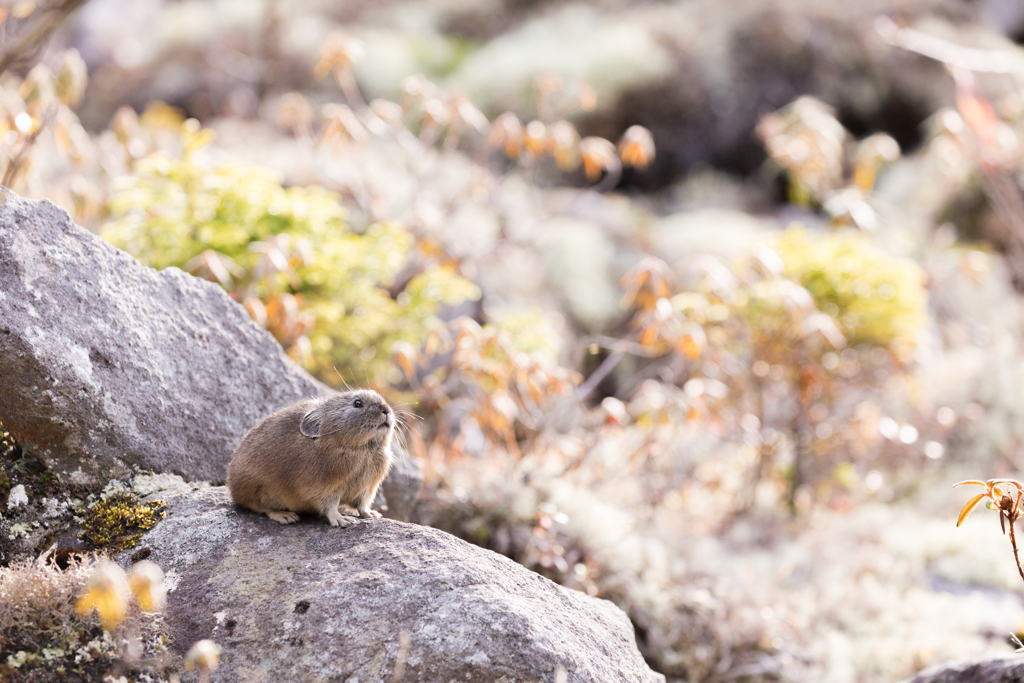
<point x="80" y="622"/>
<point x="204" y="655"/>
<point x="1006" y="503"/>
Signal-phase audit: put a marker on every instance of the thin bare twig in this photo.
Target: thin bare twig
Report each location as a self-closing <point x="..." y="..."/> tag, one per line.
<point x="16" y="163"/>
<point x="1013" y="515"/>
<point x="34" y="30"/>
<point x="602" y="371"/>
<point x="948" y="52"/>
<point x="1016" y="555"/>
<point x="624" y="345"/>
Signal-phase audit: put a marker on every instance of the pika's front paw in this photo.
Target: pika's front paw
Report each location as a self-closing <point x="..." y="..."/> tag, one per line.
<point x="338" y="519"/>
<point x="283" y="516"/>
<point x="368" y="513"/>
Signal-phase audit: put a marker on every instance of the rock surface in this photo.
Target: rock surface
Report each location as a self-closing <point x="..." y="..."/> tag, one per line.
<point x="999" y="670"/>
<point x="314" y="603"/>
<point x="108" y="364"/>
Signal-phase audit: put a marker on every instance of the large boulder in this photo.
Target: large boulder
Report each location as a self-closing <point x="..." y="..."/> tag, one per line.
<point x="309" y="602"/>
<point x="110" y="366"/>
<point x="997" y="670"/>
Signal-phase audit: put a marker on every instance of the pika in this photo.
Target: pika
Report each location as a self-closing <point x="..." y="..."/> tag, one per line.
<point x="325" y="456"/>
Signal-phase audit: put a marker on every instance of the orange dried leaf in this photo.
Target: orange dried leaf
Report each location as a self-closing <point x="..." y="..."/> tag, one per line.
<point x="969" y="508"/>
<point x="692" y="342"/>
<point x="565" y="142"/>
<point x="404" y="355"/>
<point x="257" y="311"/>
<point x="507" y="132"/>
<point x="972" y="482"/>
<point x="535" y="138"/>
<point x="338" y="51"/>
<point x="599" y="156"/>
<point x="636" y="148"/>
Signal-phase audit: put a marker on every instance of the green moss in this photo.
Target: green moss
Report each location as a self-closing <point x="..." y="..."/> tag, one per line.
<point x="117" y="523"/>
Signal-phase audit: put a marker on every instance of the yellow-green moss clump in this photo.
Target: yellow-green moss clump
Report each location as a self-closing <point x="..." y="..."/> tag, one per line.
<point x="117" y="522"/>
<point x="876" y="298"/>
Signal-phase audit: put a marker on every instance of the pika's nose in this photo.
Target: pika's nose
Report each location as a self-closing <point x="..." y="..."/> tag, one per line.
<point x="383" y="410"/>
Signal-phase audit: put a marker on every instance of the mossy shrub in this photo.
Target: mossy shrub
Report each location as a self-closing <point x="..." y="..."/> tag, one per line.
<point x="875" y="297"/>
<point x="331" y="296"/>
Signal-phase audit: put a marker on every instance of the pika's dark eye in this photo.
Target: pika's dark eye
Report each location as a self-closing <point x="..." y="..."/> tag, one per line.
<point x="358" y="403"/>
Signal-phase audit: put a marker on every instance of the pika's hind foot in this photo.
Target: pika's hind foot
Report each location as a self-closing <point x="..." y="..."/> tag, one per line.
<point x="283" y="516"/>
<point x="367" y="513"/>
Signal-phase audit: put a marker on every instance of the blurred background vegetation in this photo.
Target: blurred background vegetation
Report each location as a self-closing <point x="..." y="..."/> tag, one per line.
<point x="702" y="311"/>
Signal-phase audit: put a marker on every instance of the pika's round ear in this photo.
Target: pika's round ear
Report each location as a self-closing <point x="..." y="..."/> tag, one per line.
<point x="311" y="421"/>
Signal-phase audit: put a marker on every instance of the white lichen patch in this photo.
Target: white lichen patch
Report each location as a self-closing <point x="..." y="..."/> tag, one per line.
<point x="78" y="359"/>
<point x="114" y="487"/>
<point x="51" y="653"/>
<point x="146" y="484"/>
<point x="18" y="530"/>
<point x="17" y="497"/>
<point x="171" y="580"/>
<point x="79" y="477"/>
<point x="95" y="649"/>
<point x="20" y="658"/>
<point x="54" y="508"/>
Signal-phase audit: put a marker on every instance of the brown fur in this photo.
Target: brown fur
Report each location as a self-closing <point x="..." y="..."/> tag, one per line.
<point x="324" y="456"/>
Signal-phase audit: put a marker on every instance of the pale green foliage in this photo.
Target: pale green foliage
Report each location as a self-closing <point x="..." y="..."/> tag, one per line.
<point x="531" y="333"/>
<point x="287" y="254"/>
<point x="874" y="297"/>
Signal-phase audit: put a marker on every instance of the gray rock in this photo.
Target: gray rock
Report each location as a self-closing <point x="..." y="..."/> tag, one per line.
<point x="314" y="603"/>
<point x="997" y="670"/>
<point x="108" y="364"/>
